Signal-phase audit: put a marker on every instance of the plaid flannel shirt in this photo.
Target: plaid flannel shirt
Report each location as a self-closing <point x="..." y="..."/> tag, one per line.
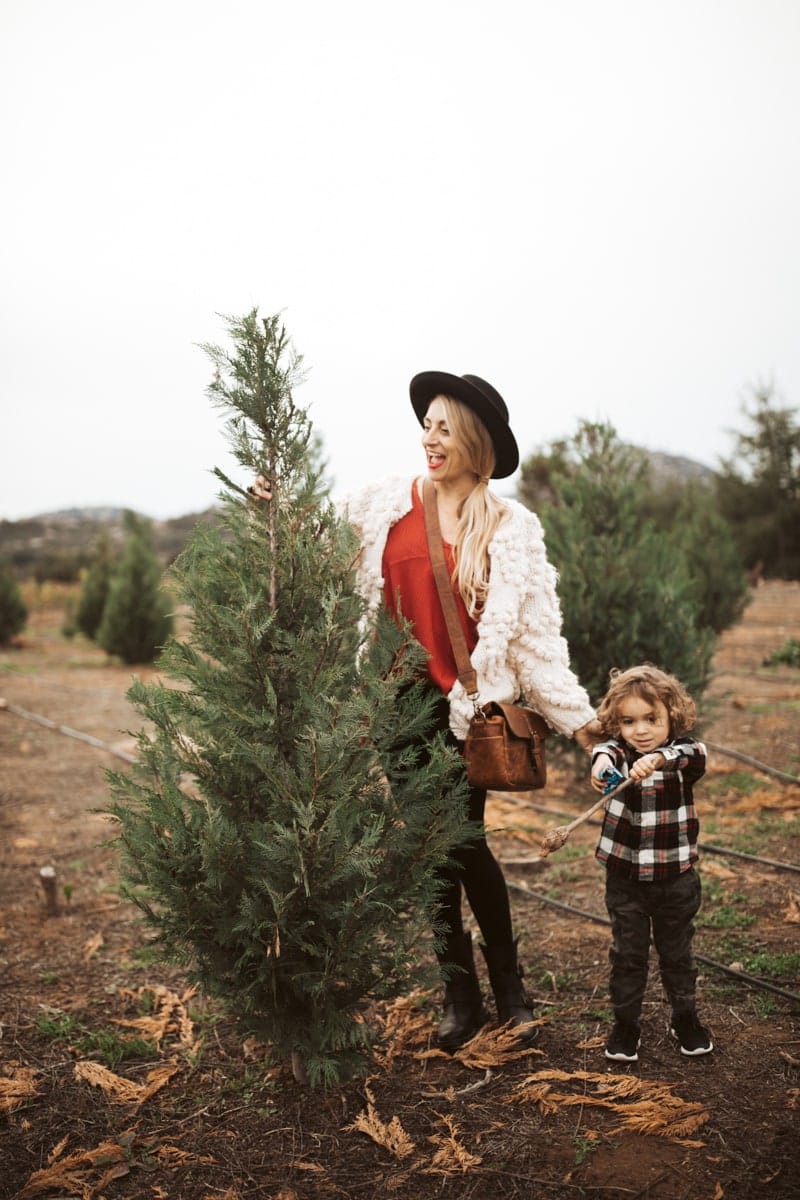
<point x="650" y="830"/>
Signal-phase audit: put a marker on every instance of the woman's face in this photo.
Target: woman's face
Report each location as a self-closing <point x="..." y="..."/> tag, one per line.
<point x="445" y="456"/>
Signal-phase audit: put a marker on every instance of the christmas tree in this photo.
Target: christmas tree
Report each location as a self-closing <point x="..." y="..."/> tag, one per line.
<point x="290" y="877"/>
<point x="13" y="610"/>
<point x="137" y="617"/>
<point x="625" y="588"/>
<point x="95" y="587"/>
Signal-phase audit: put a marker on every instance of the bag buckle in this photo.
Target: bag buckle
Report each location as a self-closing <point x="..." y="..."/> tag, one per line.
<point x="477" y="708"/>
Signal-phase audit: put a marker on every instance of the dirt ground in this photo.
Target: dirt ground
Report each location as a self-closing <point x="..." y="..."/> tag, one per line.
<point x="115" y="1082"/>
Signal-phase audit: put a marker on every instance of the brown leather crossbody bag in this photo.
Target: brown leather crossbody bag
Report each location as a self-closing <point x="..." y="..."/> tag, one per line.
<point x="505" y="746"/>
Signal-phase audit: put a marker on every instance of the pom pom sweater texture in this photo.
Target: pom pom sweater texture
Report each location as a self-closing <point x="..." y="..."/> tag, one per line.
<point x="520" y="650"/>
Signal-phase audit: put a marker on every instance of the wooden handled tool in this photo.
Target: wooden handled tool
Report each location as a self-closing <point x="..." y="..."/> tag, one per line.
<point x="556" y="838"/>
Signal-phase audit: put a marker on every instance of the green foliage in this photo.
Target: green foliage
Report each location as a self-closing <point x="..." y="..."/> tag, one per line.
<point x="108" y="1045"/>
<point x="137" y="617"/>
<point x="95" y="588"/>
<point x="773" y="965"/>
<point x="759" y="488"/>
<point x="723" y="909"/>
<point x="626" y="590"/>
<point x="13" y="612"/>
<point x="692" y="526"/>
<point x="259" y="835"/>
<point x="787" y="655"/>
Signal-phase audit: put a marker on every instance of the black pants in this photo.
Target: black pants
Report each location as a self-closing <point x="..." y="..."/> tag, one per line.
<point x="475" y="870"/>
<point x="668" y="908"/>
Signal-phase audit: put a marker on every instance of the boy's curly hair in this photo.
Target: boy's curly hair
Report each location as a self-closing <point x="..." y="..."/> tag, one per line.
<point x="651" y="684"/>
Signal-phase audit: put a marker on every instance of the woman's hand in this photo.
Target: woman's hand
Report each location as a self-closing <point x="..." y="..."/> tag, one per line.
<point x="261" y="488"/>
<point x="588" y="735"/>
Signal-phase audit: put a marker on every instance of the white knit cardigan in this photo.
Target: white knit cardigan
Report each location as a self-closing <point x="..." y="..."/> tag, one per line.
<point x="520" y="650"/>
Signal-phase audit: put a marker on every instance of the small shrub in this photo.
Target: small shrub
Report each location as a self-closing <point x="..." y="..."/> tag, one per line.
<point x="787" y="655"/>
<point x="13" y="613"/>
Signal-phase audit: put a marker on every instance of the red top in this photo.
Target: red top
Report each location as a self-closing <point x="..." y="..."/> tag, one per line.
<point x="407" y="569"/>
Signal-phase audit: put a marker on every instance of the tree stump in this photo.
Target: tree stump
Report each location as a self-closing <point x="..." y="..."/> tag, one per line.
<point x="48" y="880"/>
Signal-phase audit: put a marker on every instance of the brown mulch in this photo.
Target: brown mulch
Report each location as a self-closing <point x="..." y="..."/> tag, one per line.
<point x="115" y="1081"/>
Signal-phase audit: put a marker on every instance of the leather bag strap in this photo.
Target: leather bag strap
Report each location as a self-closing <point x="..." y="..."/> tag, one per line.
<point x="467" y="674"/>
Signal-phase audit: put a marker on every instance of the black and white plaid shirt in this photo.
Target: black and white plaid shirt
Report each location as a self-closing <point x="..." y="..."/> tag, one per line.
<point x="650" y="830"/>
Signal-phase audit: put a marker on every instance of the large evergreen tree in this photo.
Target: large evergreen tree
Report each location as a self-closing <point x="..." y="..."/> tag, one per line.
<point x="137" y="616"/>
<point x="294" y="882"/>
<point x="625" y="588"/>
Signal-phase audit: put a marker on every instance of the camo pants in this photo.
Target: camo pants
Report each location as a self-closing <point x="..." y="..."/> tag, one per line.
<point x="667" y="908"/>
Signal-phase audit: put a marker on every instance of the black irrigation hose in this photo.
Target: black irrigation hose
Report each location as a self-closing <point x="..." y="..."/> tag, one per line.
<point x="738" y="976"/>
<point x="706" y="847"/>
<point x="753" y="858"/>
<point x="752" y="762"/>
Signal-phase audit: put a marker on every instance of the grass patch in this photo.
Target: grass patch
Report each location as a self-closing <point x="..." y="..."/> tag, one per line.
<point x="105" y="1044"/>
<point x="768" y="965"/>
<point x="751" y="840"/>
<point x="585" y="1144"/>
<point x="722" y="909"/>
<point x="734" y="781"/>
<point x="761" y="710"/>
<point x="763" y="1006"/>
<point x="565" y="874"/>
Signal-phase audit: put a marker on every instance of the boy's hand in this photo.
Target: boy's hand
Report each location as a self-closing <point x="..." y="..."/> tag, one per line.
<point x="599" y="766"/>
<point x="646" y="765"/>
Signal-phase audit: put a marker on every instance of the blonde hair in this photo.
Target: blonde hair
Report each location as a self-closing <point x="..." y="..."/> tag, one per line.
<point x="481" y="512"/>
<point x="648" y="683"/>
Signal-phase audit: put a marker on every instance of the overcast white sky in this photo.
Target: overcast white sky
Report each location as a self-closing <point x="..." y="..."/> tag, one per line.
<point x="594" y="204"/>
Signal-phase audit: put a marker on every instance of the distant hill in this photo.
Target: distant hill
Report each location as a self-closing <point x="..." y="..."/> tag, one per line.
<point x="669" y="468"/>
<point x="56" y="545"/>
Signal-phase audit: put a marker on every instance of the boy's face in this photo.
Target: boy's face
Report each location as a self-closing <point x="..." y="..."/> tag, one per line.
<point x="643" y="724"/>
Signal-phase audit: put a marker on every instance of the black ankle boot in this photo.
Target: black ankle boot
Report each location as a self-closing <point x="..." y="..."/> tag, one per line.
<point x="505" y="974"/>
<point x="464" y="1013"/>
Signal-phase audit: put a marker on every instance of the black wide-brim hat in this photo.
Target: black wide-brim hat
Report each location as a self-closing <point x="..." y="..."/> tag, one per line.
<point x="484" y="400"/>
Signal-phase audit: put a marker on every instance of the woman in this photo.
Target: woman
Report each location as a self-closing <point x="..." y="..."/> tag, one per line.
<point x="506" y="594"/>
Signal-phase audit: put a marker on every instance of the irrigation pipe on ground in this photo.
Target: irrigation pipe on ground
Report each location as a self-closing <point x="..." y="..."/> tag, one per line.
<point x="706" y="847"/>
<point x="752" y="762"/>
<point x="739" y="976"/>
<point x="66" y="730"/>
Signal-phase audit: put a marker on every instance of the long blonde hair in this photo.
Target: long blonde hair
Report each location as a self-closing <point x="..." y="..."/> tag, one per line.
<point x="481" y="512"/>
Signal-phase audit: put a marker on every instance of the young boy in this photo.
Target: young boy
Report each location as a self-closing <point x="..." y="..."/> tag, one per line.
<point x="649" y="846"/>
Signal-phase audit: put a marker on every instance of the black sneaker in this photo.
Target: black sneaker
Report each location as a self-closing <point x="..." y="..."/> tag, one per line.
<point x="694" y="1038"/>
<point x="624" y="1041"/>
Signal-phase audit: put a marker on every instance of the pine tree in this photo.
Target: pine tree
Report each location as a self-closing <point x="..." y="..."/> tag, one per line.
<point x="95" y="588"/>
<point x="137" y="614"/>
<point x="759" y="489"/>
<point x="705" y="542"/>
<point x="13" y="612"/>
<point x="625" y="588"/>
<point x="290" y="878"/>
